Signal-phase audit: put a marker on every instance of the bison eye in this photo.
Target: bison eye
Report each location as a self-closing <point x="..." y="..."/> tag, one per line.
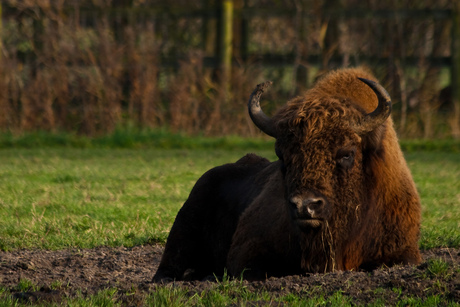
<point x="346" y="157"/>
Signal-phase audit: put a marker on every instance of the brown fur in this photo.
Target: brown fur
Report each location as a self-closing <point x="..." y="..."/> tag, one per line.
<point x="371" y="214"/>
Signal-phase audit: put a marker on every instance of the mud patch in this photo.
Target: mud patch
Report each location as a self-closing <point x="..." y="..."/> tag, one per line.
<point x="58" y="274"/>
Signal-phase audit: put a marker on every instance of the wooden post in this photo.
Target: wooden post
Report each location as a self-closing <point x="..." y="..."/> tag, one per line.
<point x="301" y="71"/>
<point x="121" y="15"/>
<point x="226" y="37"/>
<point x="38" y="32"/>
<point x="1" y="29"/>
<point x="455" y="71"/>
<point x="209" y="29"/>
<point x="331" y="9"/>
<point x="240" y="31"/>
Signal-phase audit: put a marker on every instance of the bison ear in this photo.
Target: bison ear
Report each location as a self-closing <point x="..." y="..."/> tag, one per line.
<point x="372" y="141"/>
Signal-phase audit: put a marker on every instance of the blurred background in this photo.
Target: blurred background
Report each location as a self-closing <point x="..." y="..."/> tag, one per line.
<point x="92" y="66"/>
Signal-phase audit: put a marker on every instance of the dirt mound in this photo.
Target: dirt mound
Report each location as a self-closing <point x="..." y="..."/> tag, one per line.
<point x="60" y="274"/>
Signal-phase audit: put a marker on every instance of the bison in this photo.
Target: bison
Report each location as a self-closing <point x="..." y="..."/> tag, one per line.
<point x="340" y="196"/>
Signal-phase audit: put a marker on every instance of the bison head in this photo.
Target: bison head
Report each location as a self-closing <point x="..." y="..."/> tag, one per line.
<point x="322" y="141"/>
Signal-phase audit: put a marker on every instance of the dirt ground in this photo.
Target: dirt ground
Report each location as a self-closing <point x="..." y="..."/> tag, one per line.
<point x="91" y="270"/>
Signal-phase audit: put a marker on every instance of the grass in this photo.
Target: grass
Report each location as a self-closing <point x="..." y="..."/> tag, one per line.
<point x="437" y="268"/>
<point x="171" y="295"/>
<point x="179" y="296"/>
<point x="56" y="198"/>
<point x="59" y="197"/>
<point x="165" y="139"/>
<point x="55" y="195"/>
<point x="132" y="138"/>
<point x="436" y="175"/>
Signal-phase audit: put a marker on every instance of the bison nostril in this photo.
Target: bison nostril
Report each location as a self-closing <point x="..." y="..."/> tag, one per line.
<point x="314" y="203"/>
<point x="295" y="202"/>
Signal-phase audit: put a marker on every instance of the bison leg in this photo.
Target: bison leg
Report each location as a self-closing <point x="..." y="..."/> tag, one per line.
<point x="265" y="242"/>
<point x="181" y="259"/>
<point x="410" y="255"/>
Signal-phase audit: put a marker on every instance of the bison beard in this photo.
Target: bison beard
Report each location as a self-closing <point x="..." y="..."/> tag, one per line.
<point x="340" y="197"/>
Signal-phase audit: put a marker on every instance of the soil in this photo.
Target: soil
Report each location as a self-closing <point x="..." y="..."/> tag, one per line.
<point x="60" y="274"/>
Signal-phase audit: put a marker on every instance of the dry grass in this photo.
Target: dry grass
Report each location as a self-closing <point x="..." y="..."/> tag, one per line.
<point x="89" y="67"/>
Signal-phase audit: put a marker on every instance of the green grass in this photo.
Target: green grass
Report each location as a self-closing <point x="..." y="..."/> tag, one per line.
<point x="235" y="295"/>
<point x="56" y="198"/>
<point x="436" y="175"/>
<point x="133" y="138"/>
<point x="165" y="139"/>
<point x="61" y="197"/>
<point x="179" y="296"/>
<point x="437" y="268"/>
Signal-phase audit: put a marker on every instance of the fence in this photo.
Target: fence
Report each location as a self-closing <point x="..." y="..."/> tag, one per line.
<point x="89" y="66"/>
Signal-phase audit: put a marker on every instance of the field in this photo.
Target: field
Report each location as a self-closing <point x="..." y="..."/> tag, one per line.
<point x="84" y="225"/>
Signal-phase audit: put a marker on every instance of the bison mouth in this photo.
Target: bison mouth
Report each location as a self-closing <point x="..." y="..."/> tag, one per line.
<point x="308" y="223"/>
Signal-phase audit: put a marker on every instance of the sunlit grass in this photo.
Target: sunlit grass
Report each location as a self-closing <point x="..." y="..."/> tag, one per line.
<point x="62" y="197"/>
<point x="58" y="198"/>
<point x="436" y="175"/>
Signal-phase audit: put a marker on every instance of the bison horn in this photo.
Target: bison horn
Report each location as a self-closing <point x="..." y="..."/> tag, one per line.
<point x="377" y="117"/>
<point x="262" y="121"/>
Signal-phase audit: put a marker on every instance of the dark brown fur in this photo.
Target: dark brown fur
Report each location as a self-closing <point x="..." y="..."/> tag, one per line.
<point x="371" y="213"/>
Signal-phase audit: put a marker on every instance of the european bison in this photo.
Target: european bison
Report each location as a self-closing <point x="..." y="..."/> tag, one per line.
<point x="340" y="197"/>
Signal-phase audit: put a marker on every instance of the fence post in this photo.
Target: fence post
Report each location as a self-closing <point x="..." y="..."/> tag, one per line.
<point x="226" y="37"/>
<point x="37" y="39"/>
<point x="301" y="72"/>
<point x="1" y="30"/>
<point x="210" y="24"/>
<point x="121" y="15"/>
<point x="455" y="71"/>
<point x="330" y="46"/>
<point x="240" y="31"/>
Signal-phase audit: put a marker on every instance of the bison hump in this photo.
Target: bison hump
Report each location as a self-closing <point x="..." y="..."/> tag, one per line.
<point x="252" y="158"/>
